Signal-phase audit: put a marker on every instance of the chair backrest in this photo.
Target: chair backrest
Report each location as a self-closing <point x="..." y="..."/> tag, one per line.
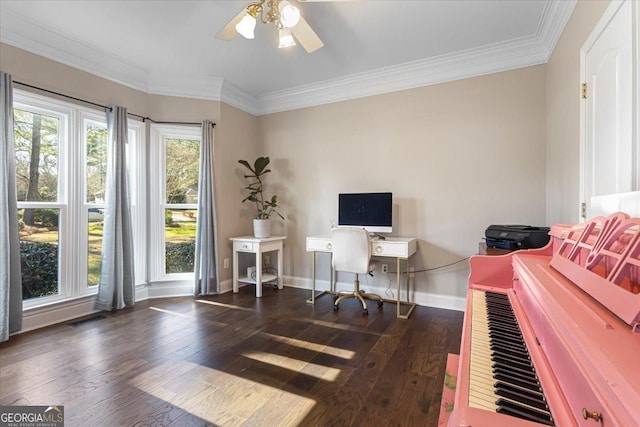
<point x="351" y="248"/>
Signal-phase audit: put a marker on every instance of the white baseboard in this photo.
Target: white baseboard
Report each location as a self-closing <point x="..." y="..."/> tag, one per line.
<point x="421" y="298"/>
<point x="40" y="317"/>
<point x="57" y="313"/>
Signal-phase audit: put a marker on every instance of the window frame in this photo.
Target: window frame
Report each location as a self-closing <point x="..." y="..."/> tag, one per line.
<point x="72" y="200"/>
<point x="159" y="134"/>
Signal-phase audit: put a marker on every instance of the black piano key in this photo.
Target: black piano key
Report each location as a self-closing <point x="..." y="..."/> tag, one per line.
<point x="525" y="376"/>
<point x="496" y="296"/>
<point x="526" y="398"/>
<point x="516" y="348"/>
<point x="508" y="348"/>
<point x="514" y="353"/>
<point x="524" y="384"/>
<point x="505" y="329"/>
<point x="498" y="313"/>
<point x="501" y="373"/>
<point x="518" y="355"/>
<point x="511" y="408"/>
<point x="504" y="337"/>
<point x="511" y="387"/>
<point x="491" y="305"/>
<point x="514" y="364"/>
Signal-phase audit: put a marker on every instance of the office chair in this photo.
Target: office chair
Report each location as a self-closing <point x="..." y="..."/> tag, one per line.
<point x="351" y="248"/>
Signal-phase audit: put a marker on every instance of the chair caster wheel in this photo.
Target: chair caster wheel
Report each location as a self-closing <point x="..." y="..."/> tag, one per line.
<point x="365" y="312"/>
<point x="379" y="303"/>
<point x="335" y="308"/>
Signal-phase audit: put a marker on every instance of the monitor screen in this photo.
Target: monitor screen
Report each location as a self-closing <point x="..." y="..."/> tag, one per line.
<point x="373" y="211"/>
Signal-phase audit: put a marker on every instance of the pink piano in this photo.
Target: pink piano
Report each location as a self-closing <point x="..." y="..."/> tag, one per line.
<point x="551" y="336"/>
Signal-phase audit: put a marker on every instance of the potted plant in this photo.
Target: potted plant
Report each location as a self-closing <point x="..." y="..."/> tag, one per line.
<point x="265" y="206"/>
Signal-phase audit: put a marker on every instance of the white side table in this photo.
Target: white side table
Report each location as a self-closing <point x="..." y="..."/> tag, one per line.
<point x="258" y="246"/>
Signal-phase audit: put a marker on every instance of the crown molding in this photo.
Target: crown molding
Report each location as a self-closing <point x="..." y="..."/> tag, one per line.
<point x="239" y="98"/>
<point x="523" y="52"/>
<point x="28" y="35"/>
<point x="552" y="23"/>
<point x="23" y="33"/>
<point x="460" y="65"/>
<point x="207" y="88"/>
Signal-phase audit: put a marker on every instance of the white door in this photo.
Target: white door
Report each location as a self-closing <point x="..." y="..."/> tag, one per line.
<point x="609" y="161"/>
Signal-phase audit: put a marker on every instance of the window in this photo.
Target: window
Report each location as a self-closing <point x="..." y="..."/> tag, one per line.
<point x="61" y="163"/>
<point x="176" y="152"/>
<point x="41" y="135"/>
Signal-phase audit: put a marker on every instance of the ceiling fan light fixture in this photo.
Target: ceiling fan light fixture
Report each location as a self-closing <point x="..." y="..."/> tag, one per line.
<point x="285" y="38"/>
<point x="246" y="26"/>
<point x="289" y="16"/>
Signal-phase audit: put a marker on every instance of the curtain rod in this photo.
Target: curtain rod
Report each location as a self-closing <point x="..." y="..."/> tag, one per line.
<point x="107" y="107"/>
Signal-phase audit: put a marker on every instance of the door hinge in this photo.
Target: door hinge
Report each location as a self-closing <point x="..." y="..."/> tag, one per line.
<point x="583" y="92"/>
<point x="583" y="210"/>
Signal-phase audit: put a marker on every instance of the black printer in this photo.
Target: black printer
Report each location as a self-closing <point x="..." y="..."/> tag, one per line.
<point x="513" y="237"/>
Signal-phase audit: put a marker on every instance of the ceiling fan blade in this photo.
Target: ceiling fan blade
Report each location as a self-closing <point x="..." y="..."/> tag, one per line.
<point x="306" y="36"/>
<point x="229" y="31"/>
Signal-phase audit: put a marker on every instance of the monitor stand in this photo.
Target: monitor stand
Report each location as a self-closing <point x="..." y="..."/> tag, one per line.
<point x="376" y="236"/>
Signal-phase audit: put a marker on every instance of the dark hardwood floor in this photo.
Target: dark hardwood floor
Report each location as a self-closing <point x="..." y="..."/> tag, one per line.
<point x="234" y="360"/>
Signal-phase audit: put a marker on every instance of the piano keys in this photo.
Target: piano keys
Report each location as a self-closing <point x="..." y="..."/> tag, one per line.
<point x="538" y="348"/>
<point x="503" y="378"/>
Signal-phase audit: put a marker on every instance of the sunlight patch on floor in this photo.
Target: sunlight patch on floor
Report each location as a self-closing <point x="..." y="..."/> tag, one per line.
<point x="300" y="366"/>
<point x="175" y="313"/>
<point x="220" y="304"/>
<point x="320" y="348"/>
<point x="221" y="398"/>
<point x="340" y="326"/>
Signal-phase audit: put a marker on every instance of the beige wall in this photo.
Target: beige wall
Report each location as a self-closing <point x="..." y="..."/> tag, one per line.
<point x="563" y="114"/>
<point x="457" y="156"/>
<point x="235" y="130"/>
<point x="236" y="138"/>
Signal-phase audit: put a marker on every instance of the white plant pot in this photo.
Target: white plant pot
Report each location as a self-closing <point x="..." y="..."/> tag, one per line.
<point x="261" y="228"/>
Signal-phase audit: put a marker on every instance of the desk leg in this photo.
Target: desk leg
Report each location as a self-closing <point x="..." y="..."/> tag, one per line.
<point x="398" y="286"/>
<point x="280" y="269"/>
<point x="258" y="274"/>
<point x="235" y="272"/>
<point x="400" y="302"/>
<point x="312" y="300"/>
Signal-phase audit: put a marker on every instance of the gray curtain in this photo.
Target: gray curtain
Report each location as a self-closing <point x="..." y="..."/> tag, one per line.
<point x="10" y="277"/>
<point x="206" y="256"/>
<point x="117" y="279"/>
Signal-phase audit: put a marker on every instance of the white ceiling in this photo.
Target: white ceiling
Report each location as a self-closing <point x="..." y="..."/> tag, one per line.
<point x="169" y="46"/>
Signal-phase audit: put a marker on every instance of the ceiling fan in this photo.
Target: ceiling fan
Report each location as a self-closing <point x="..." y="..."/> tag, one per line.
<point x="283" y="15"/>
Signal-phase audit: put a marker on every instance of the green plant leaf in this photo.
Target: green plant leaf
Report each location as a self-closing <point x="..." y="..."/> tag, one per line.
<point x="260" y="165"/>
<point x="248" y="166"/>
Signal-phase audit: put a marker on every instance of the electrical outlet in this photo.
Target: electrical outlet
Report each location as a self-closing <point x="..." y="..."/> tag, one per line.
<point x="385" y="268"/>
<point x="266" y="260"/>
<point x="412" y="272"/>
<point x="226" y="263"/>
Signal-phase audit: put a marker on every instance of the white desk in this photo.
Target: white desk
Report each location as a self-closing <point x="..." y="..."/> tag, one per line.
<point x="400" y="248"/>
<point x="258" y="246"/>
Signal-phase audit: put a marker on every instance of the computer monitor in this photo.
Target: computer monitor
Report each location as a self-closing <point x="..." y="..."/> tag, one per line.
<point x="373" y="211"/>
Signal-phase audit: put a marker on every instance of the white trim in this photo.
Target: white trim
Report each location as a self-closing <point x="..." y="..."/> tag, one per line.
<point x="208" y="88"/>
<point x="159" y="133"/>
<point x="593" y="37"/>
<point x="26" y="34"/>
<point x="554" y="19"/>
<point x="57" y="313"/>
<point x="239" y="98"/>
